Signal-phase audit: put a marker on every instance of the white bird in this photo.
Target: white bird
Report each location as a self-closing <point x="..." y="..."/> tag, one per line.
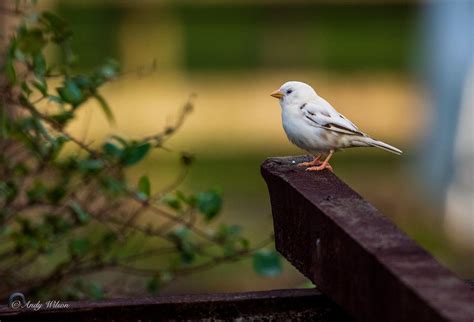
<point x="312" y="124"/>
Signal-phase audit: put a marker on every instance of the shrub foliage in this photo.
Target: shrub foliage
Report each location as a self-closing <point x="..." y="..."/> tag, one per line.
<point x="68" y="214"/>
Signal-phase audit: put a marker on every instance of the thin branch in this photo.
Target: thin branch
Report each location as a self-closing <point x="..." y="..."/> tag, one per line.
<point x="172" y="186"/>
<point x="149" y="253"/>
<point x="162" y="136"/>
<point x="160" y="212"/>
<point x="55" y="125"/>
<point x="140" y="71"/>
<point x="179" y="272"/>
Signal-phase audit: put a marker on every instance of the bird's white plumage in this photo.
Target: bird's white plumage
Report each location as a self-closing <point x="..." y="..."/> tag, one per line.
<point x="312" y="124"/>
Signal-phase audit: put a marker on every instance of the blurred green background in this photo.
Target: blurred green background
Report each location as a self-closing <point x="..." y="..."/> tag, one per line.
<point x="232" y="54"/>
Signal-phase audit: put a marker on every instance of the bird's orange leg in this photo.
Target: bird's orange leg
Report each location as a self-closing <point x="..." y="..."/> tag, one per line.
<point x="324" y="165"/>
<point x="311" y="163"/>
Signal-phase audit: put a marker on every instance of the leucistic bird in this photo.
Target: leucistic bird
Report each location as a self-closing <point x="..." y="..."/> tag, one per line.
<point x="312" y="124"/>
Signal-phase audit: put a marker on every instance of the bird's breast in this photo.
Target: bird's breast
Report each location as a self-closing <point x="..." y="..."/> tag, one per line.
<point x="310" y="138"/>
<point x="298" y="132"/>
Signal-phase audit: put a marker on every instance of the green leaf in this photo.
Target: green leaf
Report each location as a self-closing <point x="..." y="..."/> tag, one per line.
<point x="39" y="66"/>
<point x="144" y="187"/>
<point x="112" y="150"/>
<point x="5" y="124"/>
<point x="108" y="240"/>
<point x="83" y="81"/>
<point x="188" y="254"/>
<point x="172" y="201"/>
<point x="56" y="194"/>
<point x="71" y="93"/>
<point x="57" y="26"/>
<point x="26" y="89"/>
<point x="79" y="246"/>
<point x="186" y="249"/>
<point x="95" y="291"/>
<point x="190" y="200"/>
<point x="267" y="263"/>
<point x="181" y="234"/>
<point x="228" y="231"/>
<point x="110" y="69"/>
<point x="90" y="165"/>
<point x="230" y="239"/>
<point x="244" y="243"/>
<point x="36" y="192"/>
<point x="209" y="204"/>
<point x="112" y="185"/>
<point x="58" y="224"/>
<point x="41" y="86"/>
<point x="10" y="62"/>
<point x="8" y="190"/>
<point x="31" y="41"/>
<point x="10" y="71"/>
<point x="82" y="216"/>
<point x="54" y="21"/>
<point x="105" y="108"/>
<point x="134" y="153"/>
<point x="153" y="284"/>
<point x="63" y="117"/>
<point x="57" y="144"/>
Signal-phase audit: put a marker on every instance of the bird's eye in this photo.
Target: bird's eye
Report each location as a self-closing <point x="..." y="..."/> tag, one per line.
<point x="289" y="91"/>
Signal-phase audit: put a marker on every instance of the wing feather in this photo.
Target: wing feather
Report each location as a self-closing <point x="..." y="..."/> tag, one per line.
<point x="322" y="114"/>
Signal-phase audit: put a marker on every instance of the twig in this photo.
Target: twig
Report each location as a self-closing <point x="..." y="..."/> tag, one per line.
<point x="161" y="137"/>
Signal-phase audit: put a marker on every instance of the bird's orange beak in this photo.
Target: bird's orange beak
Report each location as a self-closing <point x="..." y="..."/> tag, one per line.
<point x="277" y="94"/>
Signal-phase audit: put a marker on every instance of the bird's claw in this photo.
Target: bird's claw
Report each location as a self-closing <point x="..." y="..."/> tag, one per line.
<point x="314" y="162"/>
<point x="321" y="167"/>
<point x="309" y="164"/>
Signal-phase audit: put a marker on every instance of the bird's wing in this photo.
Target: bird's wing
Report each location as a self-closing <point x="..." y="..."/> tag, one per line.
<point x="322" y="114"/>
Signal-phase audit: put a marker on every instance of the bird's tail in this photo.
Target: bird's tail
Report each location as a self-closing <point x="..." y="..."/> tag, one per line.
<point x="381" y="145"/>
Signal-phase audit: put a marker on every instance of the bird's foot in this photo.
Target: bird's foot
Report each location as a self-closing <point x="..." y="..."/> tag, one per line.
<point x="315" y="162"/>
<point x="321" y="167"/>
<point x="309" y="164"/>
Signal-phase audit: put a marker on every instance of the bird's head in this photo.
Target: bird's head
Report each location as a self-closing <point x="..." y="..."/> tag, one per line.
<point x="294" y="93"/>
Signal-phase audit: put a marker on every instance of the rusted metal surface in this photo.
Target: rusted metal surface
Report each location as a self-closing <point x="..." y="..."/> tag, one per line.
<point x="297" y="304"/>
<point x="354" y="254"/>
